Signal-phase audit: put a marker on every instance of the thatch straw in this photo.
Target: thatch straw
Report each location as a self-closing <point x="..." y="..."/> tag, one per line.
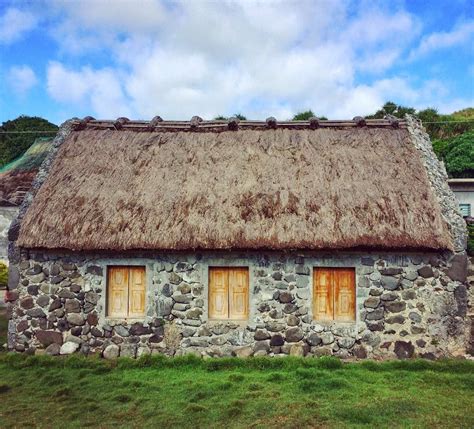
<point x="247" y="189"/>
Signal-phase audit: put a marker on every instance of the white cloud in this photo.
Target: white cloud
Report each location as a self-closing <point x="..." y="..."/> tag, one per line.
<point x="21" y="79"/>
<point x="460" y="34"/>
<point x="99" y="89"/>
<point x="14" y="23"/>
<point x="258" y="58"/>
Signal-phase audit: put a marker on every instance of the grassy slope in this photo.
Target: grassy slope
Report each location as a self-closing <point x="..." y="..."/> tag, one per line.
<point x="232" y="393"/>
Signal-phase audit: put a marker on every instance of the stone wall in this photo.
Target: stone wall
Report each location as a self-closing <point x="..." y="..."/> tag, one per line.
<point x="7" y="214"/>
<point x="407" y="305"/>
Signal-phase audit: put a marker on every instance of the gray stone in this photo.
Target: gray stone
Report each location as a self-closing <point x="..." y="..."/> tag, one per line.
<point x="92" y="297"/>
<point x="68" y="348"/>
<point x="415" y="317"/>
<point x="72" y="306"/>
<point x="409" y="294"/>
<point x="460" y="295"/>
<point x="389" y="296"/>
<point x="397" y="319"/>
<point x="174" y="279"/>
<point x="297" y="350"/>
<point x="327" y="337"/>
<point x="277" y="340"/>
<point x="56" y="280"/>
<point x="36" y="312"/>
<point x="184" y="299"/>
<point x="49" y="337"/>
<point x="426" y="271"/>
<point x="95" y="270"/>
<point x="164" y="306"/>
<point x="111" y="352"/>
<point x="121" y="330"/>
<point x="285" y="297"/>
<point x="458" y="268"/>
<point x="367" y="261"/>
<point x="289" y="308"/>
<point x="128" y="350"/>
<point x="294" y="335"/>
<point x="302" y="282"/>
<point x="290" y="278"/>
<point x="421" y="343"/>
<point x="27" y="303"/>
<point x="139" y="329"/>
<point x="302" y="270"/>
<point x="260" y="335"/>
<point x="404" y="350"/>
<point x="360" y="352"/>
<point x="417" y="330"/>
<point x="195" y="313"/>
<point x="292" y="320"/>
<point x="390" y="283"/>
<point x="261" y="345"/>
<point x="375" y="326"/>
<point x="38" y="278"/>
<point x="375" y="315"/>
<point x="411" y="275"/>
<point x="53" y="349"/>
<point x="167" y="290"/>
<point x="43" y="300"/>
<point x="314" y="340"/>
<point x="66" y="294"/>
<point x="75" y="319"/>
<point x="395" y="306"/>
<point x="243" y="352"/>
<point x="391" y="271"/>
<point x="375" y="292"/>
<point x="346" y="342"/>
<point x="372" y="302"/>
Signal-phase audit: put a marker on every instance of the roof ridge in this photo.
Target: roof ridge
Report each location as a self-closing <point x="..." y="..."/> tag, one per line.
<point x="198" y="124"/>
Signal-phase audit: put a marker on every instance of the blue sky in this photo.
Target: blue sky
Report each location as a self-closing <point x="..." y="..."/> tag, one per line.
<point x="341" y="58"/>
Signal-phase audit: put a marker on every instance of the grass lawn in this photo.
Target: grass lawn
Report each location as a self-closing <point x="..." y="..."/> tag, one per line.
<point x="189" y="392"/>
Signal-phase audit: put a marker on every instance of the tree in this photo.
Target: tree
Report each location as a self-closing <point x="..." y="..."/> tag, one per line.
<point x="390" y="108"/>
<point x="239" y="116"/>
<point x="306" y="115"/>
<point x="14" y="145"/>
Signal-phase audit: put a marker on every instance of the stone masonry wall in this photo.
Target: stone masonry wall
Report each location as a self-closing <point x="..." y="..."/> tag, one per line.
<point x="407" y="305"/>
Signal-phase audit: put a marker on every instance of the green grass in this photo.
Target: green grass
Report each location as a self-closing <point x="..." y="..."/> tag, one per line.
<point x="188" y="392"/>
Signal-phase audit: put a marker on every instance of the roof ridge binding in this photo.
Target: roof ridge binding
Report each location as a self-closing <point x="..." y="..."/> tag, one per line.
<point x="233" y="124"/>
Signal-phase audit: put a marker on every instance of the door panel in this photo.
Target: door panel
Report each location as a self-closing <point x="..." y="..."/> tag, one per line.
<point x="218" y="293"/>
<point x="118" y="291"/>
<point x="323" y="294"/>
<point x="344" y="294"/>
<point x="238" y="293"/>
<point x="137" y="282"/>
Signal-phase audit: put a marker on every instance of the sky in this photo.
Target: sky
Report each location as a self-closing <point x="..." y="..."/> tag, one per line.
<point x="110" y="58"/>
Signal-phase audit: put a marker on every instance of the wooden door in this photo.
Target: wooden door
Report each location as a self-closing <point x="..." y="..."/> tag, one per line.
<point x="137" y="281"/>
<point x="118" y="291"/>
<point x="344" y="294"/>
<point x="238" y="293"/>
<point x="218" y="293"/>
<point x="323" y="294"/>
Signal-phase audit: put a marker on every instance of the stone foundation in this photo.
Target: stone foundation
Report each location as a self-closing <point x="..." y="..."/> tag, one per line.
<point x="407" y="305"/>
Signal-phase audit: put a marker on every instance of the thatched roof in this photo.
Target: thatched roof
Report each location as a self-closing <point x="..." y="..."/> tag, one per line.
<point x="305" y="185"/>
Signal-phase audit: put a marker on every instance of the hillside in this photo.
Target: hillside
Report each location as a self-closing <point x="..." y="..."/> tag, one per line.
<point x="17" y="176"/>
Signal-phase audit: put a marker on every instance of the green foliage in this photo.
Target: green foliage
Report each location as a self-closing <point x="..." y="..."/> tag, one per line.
<point x="308" y="114"/>
<point x="14" y="145"/>
<point x="457" y="153"/>
<point x="182" y="392"/>
<point x="390" y="108"/>
<point x="3" y="275"/>
<point x="470" y="240"/>
<point x="225" y="118"/>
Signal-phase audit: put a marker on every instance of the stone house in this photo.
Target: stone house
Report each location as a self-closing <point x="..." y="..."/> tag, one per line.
<point x="240" y="238"/>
